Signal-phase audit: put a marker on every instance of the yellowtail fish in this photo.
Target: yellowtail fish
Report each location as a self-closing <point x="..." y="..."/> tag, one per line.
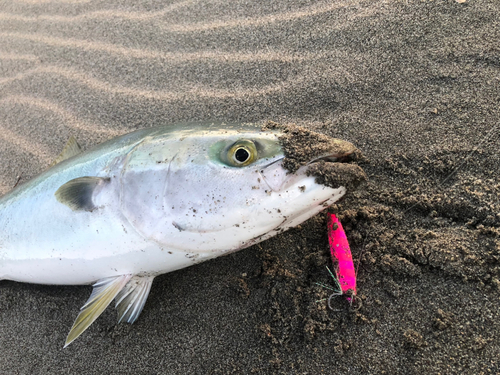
<point x="160" y="199"/>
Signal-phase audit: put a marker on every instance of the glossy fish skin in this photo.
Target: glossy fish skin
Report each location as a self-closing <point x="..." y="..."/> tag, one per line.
<point x="148" y="203"/>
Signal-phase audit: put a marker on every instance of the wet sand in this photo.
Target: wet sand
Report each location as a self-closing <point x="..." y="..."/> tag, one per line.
<point x="414" y="84"/>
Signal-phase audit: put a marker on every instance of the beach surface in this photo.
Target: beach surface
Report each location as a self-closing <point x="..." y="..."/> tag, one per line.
<point x="413" y="84"/>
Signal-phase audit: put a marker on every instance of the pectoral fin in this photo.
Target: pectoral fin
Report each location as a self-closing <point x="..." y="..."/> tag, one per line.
<point x="102" y="295"/>
<point x="77" y="193"/>
<point x="131" y="299"/>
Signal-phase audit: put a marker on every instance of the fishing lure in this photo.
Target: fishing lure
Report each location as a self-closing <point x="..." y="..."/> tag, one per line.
<point x="345" y="274"/>
<point x="341" y="253"/>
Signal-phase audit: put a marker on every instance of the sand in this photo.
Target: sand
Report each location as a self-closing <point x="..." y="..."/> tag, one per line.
<point x="413" y="84"/>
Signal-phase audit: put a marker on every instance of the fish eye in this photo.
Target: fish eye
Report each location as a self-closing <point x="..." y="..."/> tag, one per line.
<point x="242" y="153"/>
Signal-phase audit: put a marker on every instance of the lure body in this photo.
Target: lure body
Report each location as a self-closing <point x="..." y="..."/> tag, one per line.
<point x="341" y="254"/>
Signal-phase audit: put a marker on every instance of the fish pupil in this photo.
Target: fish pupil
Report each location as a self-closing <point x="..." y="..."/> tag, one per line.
<point x="241" y="155"/>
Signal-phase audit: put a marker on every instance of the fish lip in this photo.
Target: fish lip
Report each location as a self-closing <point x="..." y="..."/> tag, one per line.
<point x="331" y="158"/>
<point x="337" y="158"/>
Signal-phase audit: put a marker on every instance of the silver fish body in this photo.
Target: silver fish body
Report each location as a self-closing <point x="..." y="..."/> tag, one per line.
<point x="151" y="202"/>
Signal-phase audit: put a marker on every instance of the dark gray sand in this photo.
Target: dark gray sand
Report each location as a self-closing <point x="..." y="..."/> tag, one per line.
<point x="414" y="84"/>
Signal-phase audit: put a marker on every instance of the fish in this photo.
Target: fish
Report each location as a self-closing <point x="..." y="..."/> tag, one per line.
<point x="160" y="199"/>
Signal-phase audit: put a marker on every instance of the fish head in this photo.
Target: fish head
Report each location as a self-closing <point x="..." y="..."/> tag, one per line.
<point x="214" y="190"/>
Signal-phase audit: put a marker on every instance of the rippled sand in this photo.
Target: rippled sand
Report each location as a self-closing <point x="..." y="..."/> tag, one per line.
<point x="414" y="84"/>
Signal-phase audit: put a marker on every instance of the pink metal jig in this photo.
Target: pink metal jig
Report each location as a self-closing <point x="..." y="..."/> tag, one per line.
<point x="341" y="254"/>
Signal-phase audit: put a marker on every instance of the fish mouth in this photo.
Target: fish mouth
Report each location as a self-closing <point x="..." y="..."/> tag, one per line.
<point x="338" y="169"/>
<point x="352" y="154"/>
<point x="315" y="149"/>
<point x="333" y="166"/>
